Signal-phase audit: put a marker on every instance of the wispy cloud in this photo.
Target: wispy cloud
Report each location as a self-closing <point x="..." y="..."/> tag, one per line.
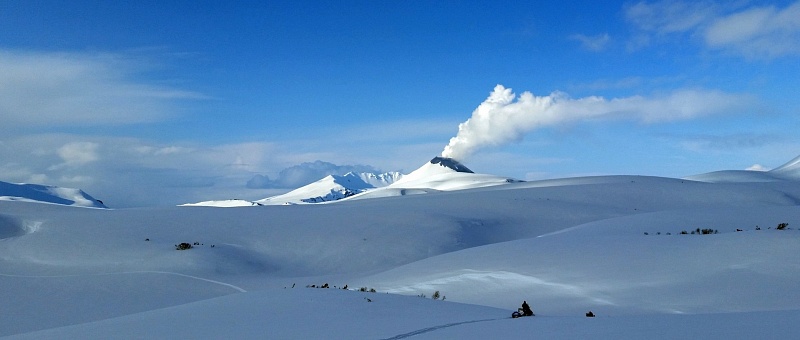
<point x="664" y="17"/>
<point x="762" y="32"/>
<point x="76" y="154"/>
<point x="724" y="143"/>
<point x="78" y="89"/>
<point x="592" y="43"/>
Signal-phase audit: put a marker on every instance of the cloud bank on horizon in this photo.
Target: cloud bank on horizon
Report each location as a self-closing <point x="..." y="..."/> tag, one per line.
<point x="503" y="117"/>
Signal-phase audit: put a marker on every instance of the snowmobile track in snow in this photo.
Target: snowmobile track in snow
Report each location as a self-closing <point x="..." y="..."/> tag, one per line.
<point x="435" y="328"/>
<point x="239" y="289"/>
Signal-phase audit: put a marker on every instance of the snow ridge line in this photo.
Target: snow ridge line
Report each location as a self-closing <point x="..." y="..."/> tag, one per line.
<point x="239" y="289"/>
<point x="435" y="328"/>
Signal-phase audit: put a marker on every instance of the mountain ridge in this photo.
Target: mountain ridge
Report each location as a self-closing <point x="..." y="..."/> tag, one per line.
<point x="333" y="188"/>
<point x="48" y="194"/>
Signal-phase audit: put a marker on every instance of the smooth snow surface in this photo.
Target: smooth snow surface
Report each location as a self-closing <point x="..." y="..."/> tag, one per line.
<point x="610" y="244"/>
<point x="222" y="204"/>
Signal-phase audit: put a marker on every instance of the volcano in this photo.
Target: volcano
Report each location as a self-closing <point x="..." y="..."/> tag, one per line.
<point x="441" y="174"/>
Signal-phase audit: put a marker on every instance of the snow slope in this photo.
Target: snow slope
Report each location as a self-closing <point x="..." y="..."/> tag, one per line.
<point x="610" y="244"/>
<point x="334" y="314"/>
<point x="789" y="171"/>
<point x="47" y="194"/>
<point x="232" y="203"/>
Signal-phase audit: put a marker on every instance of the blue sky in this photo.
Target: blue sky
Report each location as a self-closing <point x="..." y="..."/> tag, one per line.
<point x="167" y="102"/>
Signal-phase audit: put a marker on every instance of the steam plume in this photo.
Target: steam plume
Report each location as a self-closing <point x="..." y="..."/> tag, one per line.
<point x="504" y="117"/>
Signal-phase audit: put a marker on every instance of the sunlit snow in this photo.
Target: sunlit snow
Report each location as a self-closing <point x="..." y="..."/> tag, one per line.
<point x="628" y="248"/>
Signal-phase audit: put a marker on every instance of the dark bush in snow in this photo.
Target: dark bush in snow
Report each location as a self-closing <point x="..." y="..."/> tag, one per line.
<point x="699" y="231"/>
<point x="183" y="246"/>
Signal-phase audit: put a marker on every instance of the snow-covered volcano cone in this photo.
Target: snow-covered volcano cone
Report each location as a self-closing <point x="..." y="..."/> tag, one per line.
<point x="447" y="174"/>
<point x="438" y="166"/>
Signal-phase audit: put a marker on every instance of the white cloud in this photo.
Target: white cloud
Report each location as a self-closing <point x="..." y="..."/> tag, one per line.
<point x="592" y="43"/>
<point x="763" y="32"/>
<point x="77" y="154"/>
<point x="77" y="180"/>
<point x="37" y="179"/>
<point x="664" y="17"/>
<point x="73" y="89"/>
<point x="170" y="150"/>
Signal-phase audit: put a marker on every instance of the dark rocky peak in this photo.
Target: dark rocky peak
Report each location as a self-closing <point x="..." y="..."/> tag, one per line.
<point x="450" y="164"/>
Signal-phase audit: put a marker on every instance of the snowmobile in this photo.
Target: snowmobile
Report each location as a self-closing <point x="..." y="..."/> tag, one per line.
<point x="519" y="313"/>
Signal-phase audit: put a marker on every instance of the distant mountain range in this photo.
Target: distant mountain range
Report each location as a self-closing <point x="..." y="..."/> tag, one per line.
<point x="439" y="174"/>
<point x="334" y="187"/>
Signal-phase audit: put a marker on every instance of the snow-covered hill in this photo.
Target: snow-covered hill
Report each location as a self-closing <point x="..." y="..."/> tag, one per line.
<point x="47" y="194"/>
<point x="611" y="244"/>
<point x="789" y="171"/>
